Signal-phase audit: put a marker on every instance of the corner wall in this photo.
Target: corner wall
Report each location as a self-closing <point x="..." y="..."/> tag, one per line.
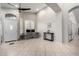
<point x="46" y="16"/>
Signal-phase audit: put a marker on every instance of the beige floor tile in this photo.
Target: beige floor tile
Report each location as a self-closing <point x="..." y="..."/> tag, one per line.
<point x="40" y="47"/>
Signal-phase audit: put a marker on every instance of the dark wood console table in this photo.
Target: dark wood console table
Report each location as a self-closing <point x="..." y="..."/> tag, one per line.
<point x="49" y="36"/>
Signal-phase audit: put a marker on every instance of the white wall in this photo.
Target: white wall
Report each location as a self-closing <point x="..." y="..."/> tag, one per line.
<point x="46" y="16"/>
<point x="0" y="29"/>
<point x="0" y="25"/>
<point x="21" y="24"/>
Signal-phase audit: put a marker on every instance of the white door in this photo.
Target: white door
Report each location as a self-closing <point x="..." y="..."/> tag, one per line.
<point x="10" y="29"/>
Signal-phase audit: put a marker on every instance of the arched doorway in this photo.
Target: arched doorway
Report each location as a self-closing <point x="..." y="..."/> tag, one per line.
<point x="72" y="24"/>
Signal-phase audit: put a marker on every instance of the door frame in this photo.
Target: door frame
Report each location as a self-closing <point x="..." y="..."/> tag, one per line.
<point x="2" y="36"/>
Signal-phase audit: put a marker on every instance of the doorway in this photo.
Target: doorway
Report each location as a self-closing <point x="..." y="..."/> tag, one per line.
<point x="10" y="27"/>
<point x="72" y="26"/>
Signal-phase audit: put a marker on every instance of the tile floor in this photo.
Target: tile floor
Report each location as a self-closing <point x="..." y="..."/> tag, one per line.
<point x="39" y="47"/>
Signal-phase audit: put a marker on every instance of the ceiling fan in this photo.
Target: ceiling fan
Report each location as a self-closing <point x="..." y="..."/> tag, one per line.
<point x="23" y="9"/>
<point x="20" y="8"/>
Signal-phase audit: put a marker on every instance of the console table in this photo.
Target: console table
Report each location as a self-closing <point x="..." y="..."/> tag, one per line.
<point x="49" y="36"/>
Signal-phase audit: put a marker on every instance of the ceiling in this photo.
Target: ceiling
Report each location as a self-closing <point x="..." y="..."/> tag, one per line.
<point x="35" y="7"/>
<point x="54" y="6"/>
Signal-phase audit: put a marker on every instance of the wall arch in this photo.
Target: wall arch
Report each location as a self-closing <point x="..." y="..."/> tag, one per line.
<point x="73" y="8"/>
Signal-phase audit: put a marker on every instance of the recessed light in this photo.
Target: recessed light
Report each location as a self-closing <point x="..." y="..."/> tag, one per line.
<point x="37" y="9"/>
<point x="16" y="5"/>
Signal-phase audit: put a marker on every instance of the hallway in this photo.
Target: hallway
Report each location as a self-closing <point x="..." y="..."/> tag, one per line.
<point x="54" y="21"/>
<point x="40" y="47"/>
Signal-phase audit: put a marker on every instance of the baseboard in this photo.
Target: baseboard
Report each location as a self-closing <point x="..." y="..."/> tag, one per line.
<point x="10" y="41"/>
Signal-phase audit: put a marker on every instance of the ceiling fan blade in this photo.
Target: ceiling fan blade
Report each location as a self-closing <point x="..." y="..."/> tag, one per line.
<point x="24" y="9"/>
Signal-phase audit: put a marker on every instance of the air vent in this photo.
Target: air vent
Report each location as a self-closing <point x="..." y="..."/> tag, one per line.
<point x="9" y="15"/>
